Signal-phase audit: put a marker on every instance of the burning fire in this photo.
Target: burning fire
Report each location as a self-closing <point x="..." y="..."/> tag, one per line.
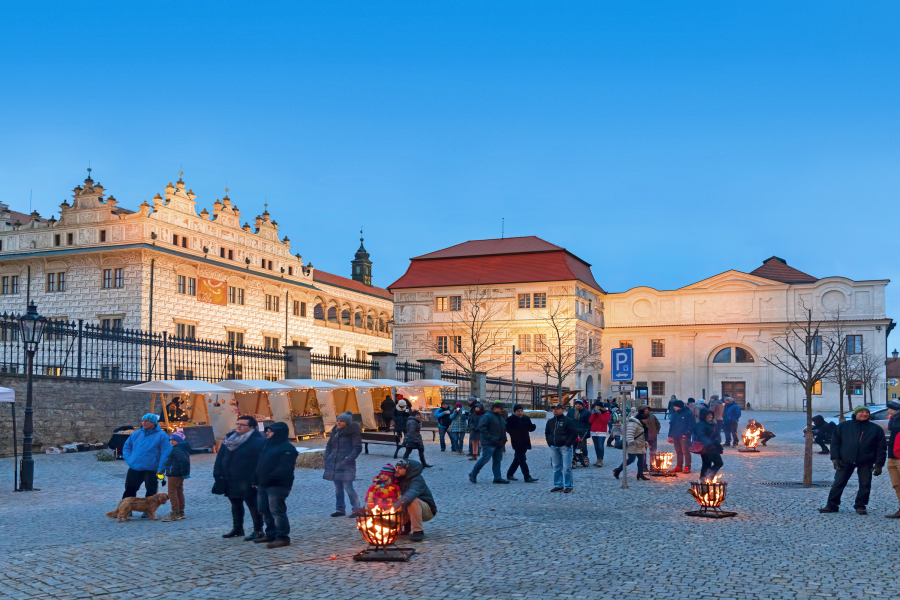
<point x="661" y="461"/>
<point x="379" y="527"/>
<point x="752" y="436"/>
<point x="709" y="493"/>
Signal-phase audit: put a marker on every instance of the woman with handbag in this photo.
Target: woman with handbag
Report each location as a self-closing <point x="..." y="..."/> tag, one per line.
<point x="707" y="444"/>
<point x="635" y="444"/>
<point x="235" y="464"/>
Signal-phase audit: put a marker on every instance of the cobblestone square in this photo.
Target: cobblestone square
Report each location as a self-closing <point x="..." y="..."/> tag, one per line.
<point x="488" y="541"/>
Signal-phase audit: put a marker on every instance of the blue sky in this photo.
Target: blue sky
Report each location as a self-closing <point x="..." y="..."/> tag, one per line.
<point x="663" y="142"/>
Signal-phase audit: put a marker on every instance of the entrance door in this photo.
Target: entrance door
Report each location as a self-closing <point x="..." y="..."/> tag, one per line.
<point x="736" y="390"/>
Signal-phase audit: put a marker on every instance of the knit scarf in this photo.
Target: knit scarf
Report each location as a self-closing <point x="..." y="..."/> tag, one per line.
<point x="233" y="442"/>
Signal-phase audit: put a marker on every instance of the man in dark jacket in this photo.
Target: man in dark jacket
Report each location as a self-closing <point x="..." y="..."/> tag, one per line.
<point x="415" y="498"/>
<point x="893" y="451"/>
<point x="473" y="420"/>
<point x="518" y="426"/>
<point x="822" y="430"/>
<point x="731" y="415"/>
<point x="343" y="447"/>
<point x="492" y="429"/>
<point x="561" y="434"/>
<point x="274" y="479"/>
<point x="669" y="411"/>
<point x="681" y="425"/>
<point x="442" y="416"/>
<point x="235" y="465"/>
<point x="856" y="444"/>
<point x="387" y="411"/>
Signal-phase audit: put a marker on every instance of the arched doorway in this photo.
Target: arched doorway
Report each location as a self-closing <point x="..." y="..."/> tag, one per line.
<point x="589" y="387"/>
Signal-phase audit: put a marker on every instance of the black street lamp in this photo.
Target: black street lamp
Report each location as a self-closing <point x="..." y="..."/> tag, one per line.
<point x="31" y="325"/>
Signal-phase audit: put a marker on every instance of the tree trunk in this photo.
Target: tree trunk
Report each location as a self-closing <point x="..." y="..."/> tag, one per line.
<point x="559" y="391"/>
<point x="808" y="445"/>
<point x="849" y="401"/>
<point x="841" y="405"/>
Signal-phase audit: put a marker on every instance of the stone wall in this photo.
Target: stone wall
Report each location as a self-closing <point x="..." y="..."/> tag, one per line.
<point x="70" y="410"/>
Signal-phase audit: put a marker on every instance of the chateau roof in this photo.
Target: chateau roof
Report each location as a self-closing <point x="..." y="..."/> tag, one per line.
<point x="506" y="260"/>
<point x="777" y="269"/>
<point x="350" y="284"/>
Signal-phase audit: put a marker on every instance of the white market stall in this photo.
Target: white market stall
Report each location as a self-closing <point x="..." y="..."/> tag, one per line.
<point x="266" y="401"/>
<point x="311" y="404"/>
<point x="201" y="406"/>
<point x="385" y="388"/>
<point x="425" y="394"/>
<point x="356" y="396"/>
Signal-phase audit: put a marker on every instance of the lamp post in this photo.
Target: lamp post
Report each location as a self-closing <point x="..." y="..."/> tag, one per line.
<point x="512" y="393"/>
<point x="31" y="326"/>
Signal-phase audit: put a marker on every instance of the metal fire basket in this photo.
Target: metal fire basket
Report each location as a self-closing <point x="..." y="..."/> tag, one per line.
<point x="660" y="463"/>
<point x="709" y="495"/>
<point x="381" y="529"/>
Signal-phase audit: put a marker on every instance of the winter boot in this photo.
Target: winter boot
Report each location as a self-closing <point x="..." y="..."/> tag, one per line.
<point x="235" y="532"/>
<point x="254" y="536"/>
<point x="599" y="463"/>
<point x="172" y="516"/>
<point x="896" y="515"/>
<point x="180" y="515"/>
<point x="616" y="472"/>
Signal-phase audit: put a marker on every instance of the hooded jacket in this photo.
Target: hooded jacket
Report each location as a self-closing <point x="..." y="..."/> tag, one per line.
<point x="519" y="429"/>
<point x="893" y="430"/>
<point x="179" y="461"/>
<point x="387" y="407"/>
<point x="707" y="433"/>
<point x="492" y="429"/>
<point x="413" y="486"/>
<point x="681" y="423"/>
<point x="277" y="459"/>
<point x="413" y="437"/>
<point x="343" y="446"/>
<point x="560" y="431"/>
<point x="859" y="443"/>
<point x="237" y="466"/>
<point x="822" y="428"/>
<point x="732" y="412"/>
<point x="635" y="439"/>
<point x="147" y="449"/>
<point x="582" y="421"/>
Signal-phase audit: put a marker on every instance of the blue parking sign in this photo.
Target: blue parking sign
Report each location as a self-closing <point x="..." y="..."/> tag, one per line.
<point x="622" y="364"/>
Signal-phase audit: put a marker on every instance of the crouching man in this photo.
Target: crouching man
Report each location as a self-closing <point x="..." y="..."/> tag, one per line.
<point x="416" y="500"/>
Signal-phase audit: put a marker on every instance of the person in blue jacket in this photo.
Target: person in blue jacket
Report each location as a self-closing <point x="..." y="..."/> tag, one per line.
<point x="146" y="451"/>
<point x="731" y="416"/>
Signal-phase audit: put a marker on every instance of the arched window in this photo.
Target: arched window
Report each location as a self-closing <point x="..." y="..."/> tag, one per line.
<point x="332" y="314"/>
<point x="345" y="317"/>
<point x="319" y="312"/>
<point x="370" y="323"/>
<point x="357" y="320"/>
<point x="381" y="325"/>
<point x="723" y="356"/>
<point x="742" y="356"/>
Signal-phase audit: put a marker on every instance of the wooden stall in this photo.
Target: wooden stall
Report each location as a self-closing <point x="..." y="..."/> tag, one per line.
<point x="311" y="405"/>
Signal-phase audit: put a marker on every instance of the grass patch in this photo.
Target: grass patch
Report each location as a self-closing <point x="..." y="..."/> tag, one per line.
<point x="310" y="460"/>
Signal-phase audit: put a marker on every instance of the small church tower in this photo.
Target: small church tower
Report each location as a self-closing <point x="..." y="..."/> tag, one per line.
<point x="362" y="266"/>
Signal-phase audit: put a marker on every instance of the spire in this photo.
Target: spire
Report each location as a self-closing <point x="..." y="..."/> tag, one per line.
<point x="362" y="266"/>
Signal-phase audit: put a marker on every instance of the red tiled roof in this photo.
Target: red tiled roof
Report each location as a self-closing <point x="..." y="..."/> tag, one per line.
<point x="350" y="284"/>
<point x="892" y="370"/>
<point x="510" y="260"/>
<point x="515" y="245"/>
<point x="777" y="269"/>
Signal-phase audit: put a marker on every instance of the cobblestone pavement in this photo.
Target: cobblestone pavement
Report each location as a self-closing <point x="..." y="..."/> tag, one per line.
<point x="488" y="541"/>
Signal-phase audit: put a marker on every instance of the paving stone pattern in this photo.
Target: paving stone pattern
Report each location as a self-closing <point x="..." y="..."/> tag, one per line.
<point x="488" y="541"/>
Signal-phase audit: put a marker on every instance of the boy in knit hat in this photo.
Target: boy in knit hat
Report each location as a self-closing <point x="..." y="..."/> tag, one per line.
<point x="384" y="490"/>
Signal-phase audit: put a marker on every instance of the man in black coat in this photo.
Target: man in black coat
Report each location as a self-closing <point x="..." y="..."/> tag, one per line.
<point x="387" y="411"/>
<point x="856" y="444"/>
<point x="235" y="464"/>
<point x="561" y="434"/>
<point x="681" y="426"/>
<point x="492" y="429"/>
<point x="822" y="430"/>
<point x="416" y="500"/>
<point x="518" y="426"/>
<point x="274" y="478"/>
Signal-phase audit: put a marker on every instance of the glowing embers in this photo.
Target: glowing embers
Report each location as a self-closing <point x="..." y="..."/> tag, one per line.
<point x="661" y="464"/>
<point x="709" y="494"/>
<point x="381" y="529"/>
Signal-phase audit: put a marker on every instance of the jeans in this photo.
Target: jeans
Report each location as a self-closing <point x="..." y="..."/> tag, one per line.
<point x="237" y="512"/>
<point x="134" y="479"/>
<point x="492" y="453"/>
<point x="271" y="503"/>
<point x="518" y="462"/>
<point x="441" y="431"/>
<point x="682" y="445"/>
<point x="731" y="431"/>
<point x="339" y="488"/>
<point x="842" y="476"/>
<point x="640" y="460"/>
<point x="456" y="440"/>
<point x="720" y="427"/>
<point x="561" y="461"/>
<point x="599" y="449"/>
<point x="711" y="463"/>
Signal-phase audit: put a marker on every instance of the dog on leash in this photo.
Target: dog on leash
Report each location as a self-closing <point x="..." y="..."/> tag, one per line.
<point x="147" y="505"/>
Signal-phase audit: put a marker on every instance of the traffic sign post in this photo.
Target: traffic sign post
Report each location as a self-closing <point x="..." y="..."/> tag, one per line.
<point x="622" y="361"/>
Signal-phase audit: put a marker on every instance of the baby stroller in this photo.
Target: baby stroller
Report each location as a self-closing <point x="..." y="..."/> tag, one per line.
<point x="579" y="452"/>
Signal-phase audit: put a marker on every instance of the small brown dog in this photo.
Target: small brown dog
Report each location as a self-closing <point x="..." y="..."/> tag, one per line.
<point x="147" y="505"/>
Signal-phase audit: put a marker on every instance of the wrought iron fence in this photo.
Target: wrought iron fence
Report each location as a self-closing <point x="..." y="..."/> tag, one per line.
<point x="529" y="394"/>
<point x="342" y="367"/>
<point x="83" y="350"/>
<point x="461" y="379"/>
<point x="407" y="371"/>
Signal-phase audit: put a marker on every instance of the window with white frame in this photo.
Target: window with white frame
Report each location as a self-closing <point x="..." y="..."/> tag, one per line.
<point x="187" y="285"/>
<point x="540" y="342"/>
<point x="457" y="343"/>
<point x="271" y="343"/>
<point x="56" y="282"/>
<point x="235" y="295"/>
<point x="540" y="301"/>
<point x="524" y="342"/>
<point x="272" y="303"/>
<point x="236" y="338"/>
<point x="442" y="344"/>
<point x="10" y="285"/>
<point x="334" y="351"/>
<point x="657" y="348"/>
<point x="524" y="300"/>
<point x="186" y="330"/>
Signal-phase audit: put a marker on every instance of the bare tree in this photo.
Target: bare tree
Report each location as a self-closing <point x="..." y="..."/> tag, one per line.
<point x="846" y="363"/>
<point x="475" y="327"/>
<point x="564" y="348"/>
<point x="807" y="356"/>
<point x="869" y="369"/>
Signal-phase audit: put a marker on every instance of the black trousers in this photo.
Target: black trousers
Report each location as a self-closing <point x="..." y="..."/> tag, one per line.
<point x="387" y="421"/>
<point x="842" y="476"/>
<point x="237" y="513"/>
<point x="134" y="479"/>
<point x="820" y="440"/>
<point x="518" y="463"/>
<point x="420" y="448"/>
<point x="711" y="462"/>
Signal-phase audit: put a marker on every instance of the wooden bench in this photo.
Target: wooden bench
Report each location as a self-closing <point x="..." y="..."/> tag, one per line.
<point x="432" y="427"/>
<point x="382" y="438"/>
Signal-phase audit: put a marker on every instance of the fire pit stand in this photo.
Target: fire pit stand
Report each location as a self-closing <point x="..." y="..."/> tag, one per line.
<point x="659" y="464"/>
<point x="753" y="449"/>
<point x="709" y="495"/>
<point x="381" y="529"/>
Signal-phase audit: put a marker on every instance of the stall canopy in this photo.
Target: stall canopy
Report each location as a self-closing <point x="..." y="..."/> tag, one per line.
<point x="252" y="385"/>
<point x="355" y="396"/>
<point x="424" y="383"/>
<point x="388" y="383"/>
<point x="430" y="394"/>
<point x="307" y="384"/>
<point x="177" y="386"/>
<point x="312" y="404"/>
<point x="264" y="400"/>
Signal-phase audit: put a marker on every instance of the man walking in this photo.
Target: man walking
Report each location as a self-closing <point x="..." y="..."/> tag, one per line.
<point x="893" y="450"/>
<point x="146" y="452"/>
<point x="731" y="414"/>
<point x="519" y="428"/>
<point x="492" y="431"/>
<point x="274" y="480"/>
<point x="856" y="444"/>
<point x="561" y="433"/>
<point x="718" y="409"/>
<point x="680" y="427"/>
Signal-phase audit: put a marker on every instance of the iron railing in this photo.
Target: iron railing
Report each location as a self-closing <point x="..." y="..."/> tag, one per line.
<point x="529" y="394"/>
<point x="342" y="367"/>
<point x="407" y="371"/>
